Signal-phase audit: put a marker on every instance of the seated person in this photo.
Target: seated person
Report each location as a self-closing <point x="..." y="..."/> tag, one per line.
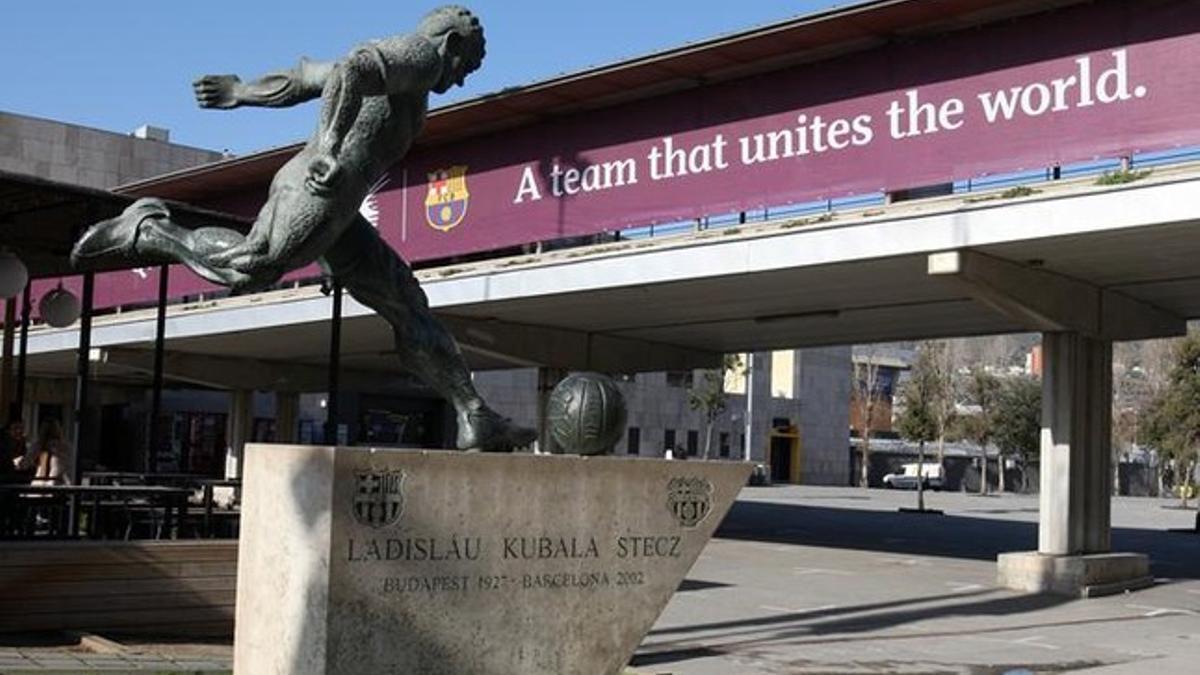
<point x="50" y="457"/>
<point x="13" y="445"/>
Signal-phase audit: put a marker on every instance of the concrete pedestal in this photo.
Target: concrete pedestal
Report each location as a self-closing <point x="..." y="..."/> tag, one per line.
<point x="1082" y="576"/>
<point x="353" y="561"/>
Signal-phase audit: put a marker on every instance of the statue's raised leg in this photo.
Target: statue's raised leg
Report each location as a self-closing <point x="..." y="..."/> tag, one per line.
<point x="375" y="275"/>
<point x="145" y="234"/>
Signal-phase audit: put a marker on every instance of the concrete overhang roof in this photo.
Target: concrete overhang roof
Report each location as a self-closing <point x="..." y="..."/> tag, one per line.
<point x="856" y="277"/>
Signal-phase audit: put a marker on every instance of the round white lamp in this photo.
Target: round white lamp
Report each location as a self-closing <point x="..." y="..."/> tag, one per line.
<point x="59" y="308"/>
<point x="13" y="275"/>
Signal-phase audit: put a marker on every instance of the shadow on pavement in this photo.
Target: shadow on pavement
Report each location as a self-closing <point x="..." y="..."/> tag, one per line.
<point x="848" y="624"/>
<point x="672" y="656"/>
<point x="808" y="615"/>
<point x="698" y="585"/>
<point x="952" y="536"/>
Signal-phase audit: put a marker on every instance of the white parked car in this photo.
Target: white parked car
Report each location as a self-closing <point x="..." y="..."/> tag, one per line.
<point x="906" y="478"/>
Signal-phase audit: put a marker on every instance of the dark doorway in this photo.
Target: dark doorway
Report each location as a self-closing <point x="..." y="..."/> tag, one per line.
<point x="781" y="459"/>
<point x="118" y="449"/>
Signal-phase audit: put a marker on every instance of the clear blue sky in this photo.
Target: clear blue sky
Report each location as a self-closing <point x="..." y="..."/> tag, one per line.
<point x="119" y="64"/>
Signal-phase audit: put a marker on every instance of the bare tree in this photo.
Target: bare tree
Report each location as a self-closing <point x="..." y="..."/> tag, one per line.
<point x="995" y="353"/>
<point x="864" y="397"/>
<point x="1129" y="399"/>
<point x="943" y="358"/>
<point x="983" y="390"/>
<point x="918" y="420"/>
<point x="707" y="396"/>
<point x="1141" y="375"/>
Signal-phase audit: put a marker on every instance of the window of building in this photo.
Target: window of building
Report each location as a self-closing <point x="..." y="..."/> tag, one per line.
<point x="682" y="379"/>
<point x="783" y="374"/>
<point x="200" y="439"/>
<point x="693" y="443"/>
<point x="634" y="442"/>
<point x="735" y="378"/>
<point x="669" y="439"/>
<point x="724" y="443"/>
<point x="308" y="432"/>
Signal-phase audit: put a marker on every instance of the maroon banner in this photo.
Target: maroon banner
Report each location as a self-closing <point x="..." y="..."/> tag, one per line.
<point x="1100" y="80"/>
<point x="1103" y="79"/>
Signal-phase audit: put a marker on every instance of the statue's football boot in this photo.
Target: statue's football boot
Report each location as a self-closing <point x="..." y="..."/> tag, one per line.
<point x="483" y="429"/>
<point x="116" y="238"/>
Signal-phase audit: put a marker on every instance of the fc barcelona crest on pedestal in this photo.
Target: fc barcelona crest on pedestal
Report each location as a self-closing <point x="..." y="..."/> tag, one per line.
<point x="690" y="500"/>
<point x="447" y="200"/>
<point x="378" y="497"/>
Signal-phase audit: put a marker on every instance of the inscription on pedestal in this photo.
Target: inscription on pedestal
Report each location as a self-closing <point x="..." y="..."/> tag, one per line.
<point x="531" y="549"/>
<point x="449" y="563"/>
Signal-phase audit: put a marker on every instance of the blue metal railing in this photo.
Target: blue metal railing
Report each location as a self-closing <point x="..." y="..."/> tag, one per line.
<point x="1028" y="177"/>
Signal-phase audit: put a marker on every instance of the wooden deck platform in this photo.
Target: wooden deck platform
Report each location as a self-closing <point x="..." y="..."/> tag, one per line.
<point x="163" y="588"/>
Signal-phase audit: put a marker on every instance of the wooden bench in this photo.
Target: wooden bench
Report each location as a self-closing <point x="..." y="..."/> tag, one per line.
<point x="161" y="588"/>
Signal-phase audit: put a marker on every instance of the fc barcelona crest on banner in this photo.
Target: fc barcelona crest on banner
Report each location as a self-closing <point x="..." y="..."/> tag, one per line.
<point x="447" y="199"/>
<point x="378" y="497"/>
<point x="690" y="500"/>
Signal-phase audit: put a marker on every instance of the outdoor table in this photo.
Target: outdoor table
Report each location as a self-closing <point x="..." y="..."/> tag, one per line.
<point x="208" y="486"/>
<point x="175" y="499"/>
<point x="175" y="480"/>
<point x="117" y="477"/>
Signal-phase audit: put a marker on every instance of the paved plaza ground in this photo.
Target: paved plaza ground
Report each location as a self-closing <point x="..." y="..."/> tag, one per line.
<point x="836" y="580"/>
<point x="806" y="580"/>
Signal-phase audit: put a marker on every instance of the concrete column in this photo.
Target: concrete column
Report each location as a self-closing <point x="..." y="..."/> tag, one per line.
<point x="239" y="427"/>
<point x="287" y="410"/>
<point x="1076" y="463"/>
<point x="548" y="378"/>
<point x="1073" y="556"/>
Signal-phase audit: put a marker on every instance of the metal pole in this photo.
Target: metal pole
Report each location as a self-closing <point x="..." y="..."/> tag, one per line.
<point x="160" y="331"/>
<point x="6" y="369"/>
<point x="749" y="406"/>
<point x="26" y="306"/>
<point x="82" y="376"/>
<point x="335" y="349"/>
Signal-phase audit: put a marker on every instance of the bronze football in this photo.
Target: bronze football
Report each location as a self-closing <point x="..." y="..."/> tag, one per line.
<point x="586" y="414"/>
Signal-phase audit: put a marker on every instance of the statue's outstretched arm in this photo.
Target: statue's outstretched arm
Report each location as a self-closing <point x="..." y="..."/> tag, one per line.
<point x="304" y="82"/>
